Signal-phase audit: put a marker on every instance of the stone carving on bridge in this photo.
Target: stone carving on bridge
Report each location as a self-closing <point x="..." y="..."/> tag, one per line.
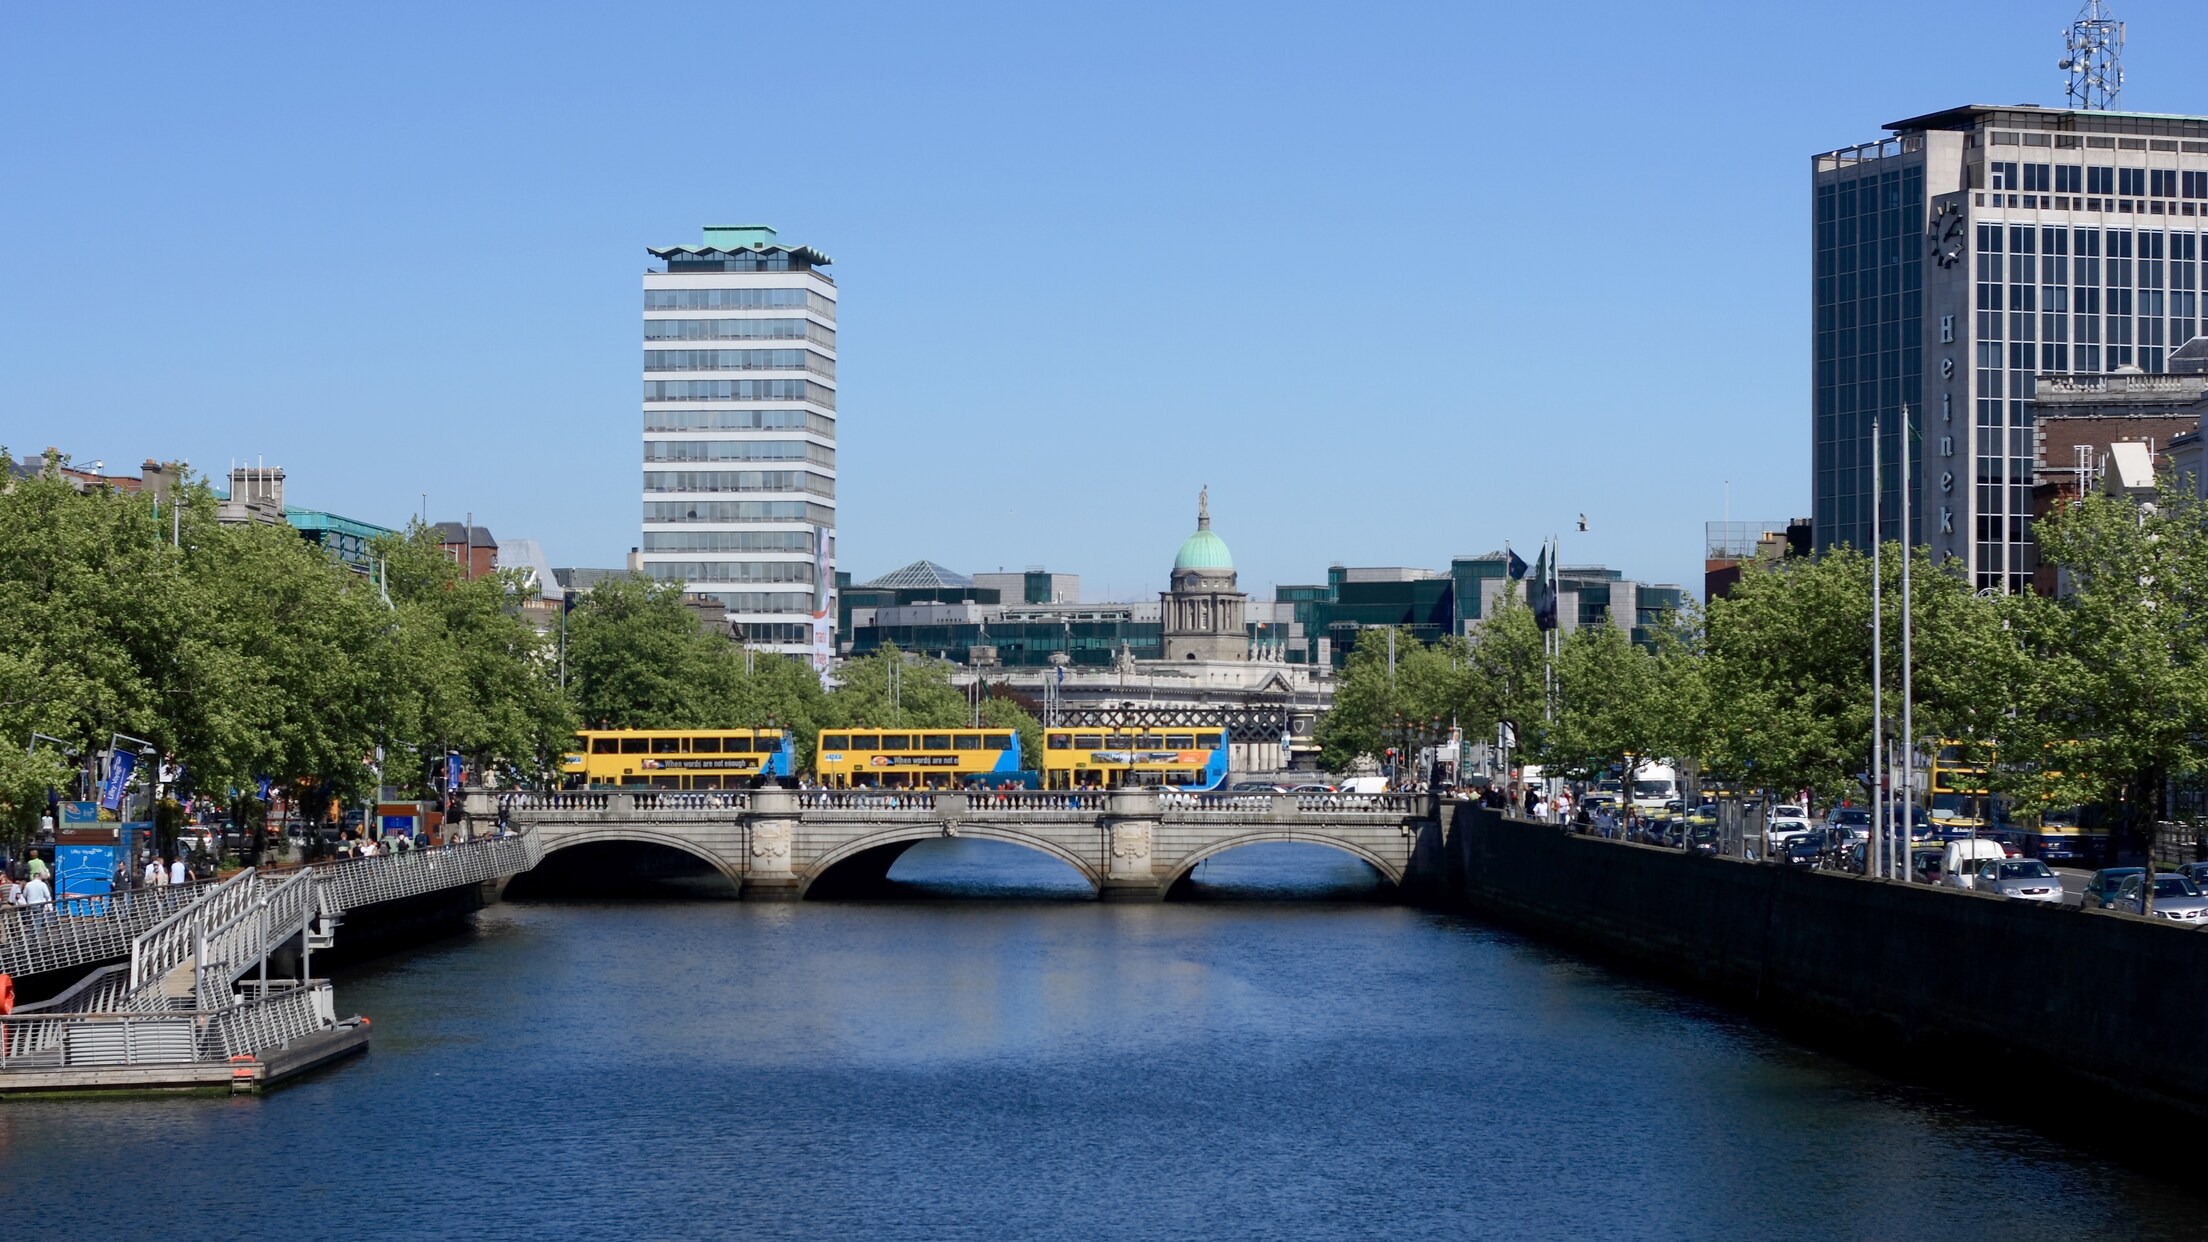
<point x="770" y="840"/>
<point x="1131" y="841"/>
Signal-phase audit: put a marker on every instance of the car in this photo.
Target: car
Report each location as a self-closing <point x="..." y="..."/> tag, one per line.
<point x="2100" y="891"/>
<point x="1790" y="810"/>
<point x="1255" y="787"/>
<point x="1805" y="850"/>
<point x="2197" y="872"/>
<point x="1924" y="865"/>
<point x="1311" y="789"/>
<point x="2175" y="898"/>
<point x="1855" y="820"/>
<point x="1783" y="830"/>
<point x="2020" y="879"/>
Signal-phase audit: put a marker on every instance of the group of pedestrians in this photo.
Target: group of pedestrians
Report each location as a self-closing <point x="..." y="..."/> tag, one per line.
<point x="26" y="882"/>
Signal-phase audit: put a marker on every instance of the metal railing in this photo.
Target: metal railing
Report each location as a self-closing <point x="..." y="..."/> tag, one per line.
<point x="175" y="940"/>
<point x="34" y="1038"/>
<point x="351" y="883"/>
<point x="78" y="931"/>
<point x="227" y="951"/>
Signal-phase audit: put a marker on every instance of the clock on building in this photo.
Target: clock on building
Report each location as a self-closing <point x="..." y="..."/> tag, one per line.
<point x="1947" y="234"/>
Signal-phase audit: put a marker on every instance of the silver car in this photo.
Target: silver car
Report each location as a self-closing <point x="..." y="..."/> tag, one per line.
<point x="2175" y="898"/>
<point x="2023" y="879"/>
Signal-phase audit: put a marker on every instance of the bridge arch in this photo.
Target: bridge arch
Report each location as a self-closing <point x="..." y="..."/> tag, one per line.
<point x="1390" y="871"/>
<point x="640" y="834"/>
<point x="912" y="834"/>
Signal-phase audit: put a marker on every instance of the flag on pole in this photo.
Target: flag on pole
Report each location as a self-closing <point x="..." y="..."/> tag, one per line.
<point x="1517" y="564"/>
<point x="1542" y="594"/>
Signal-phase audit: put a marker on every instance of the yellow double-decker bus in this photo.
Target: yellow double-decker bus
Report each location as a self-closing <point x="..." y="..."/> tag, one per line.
<point x="1190" y="759"/>
<point x="917" y="758"/>
<point x="676" y="758"/>
<point x="1961" y="800"/>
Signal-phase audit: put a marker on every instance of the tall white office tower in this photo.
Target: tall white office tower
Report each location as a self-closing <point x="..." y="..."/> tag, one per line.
<point x="740" y="433"/>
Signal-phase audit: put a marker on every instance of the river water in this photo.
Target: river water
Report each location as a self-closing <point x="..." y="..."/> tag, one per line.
<point x="992" y="1057"/>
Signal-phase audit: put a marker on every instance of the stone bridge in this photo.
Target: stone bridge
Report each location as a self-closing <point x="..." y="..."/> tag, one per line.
<point x="1134" y="844"/>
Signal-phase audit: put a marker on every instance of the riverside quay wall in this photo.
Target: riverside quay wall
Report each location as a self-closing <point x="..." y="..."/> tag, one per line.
<point x="1985" y="997"/>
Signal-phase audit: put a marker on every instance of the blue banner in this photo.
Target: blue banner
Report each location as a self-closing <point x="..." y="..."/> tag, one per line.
<point x="80" y="813"/>
<point x="452" y="771"/>
<point x="119" y="769"/>
<point x="263" y="789"/>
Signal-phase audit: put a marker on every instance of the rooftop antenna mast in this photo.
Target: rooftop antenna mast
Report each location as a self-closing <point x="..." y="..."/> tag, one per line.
<point x="2093" y="56"/>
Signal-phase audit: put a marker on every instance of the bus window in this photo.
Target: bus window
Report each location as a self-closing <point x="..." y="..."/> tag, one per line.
<point x="935" y="741"/>
<point x="632" y="745"/>
<point x="835" y="741"/>
<point x="1092" y="741"/>
<point x="1120" y="741"/>
<point x="866" y="741"/>
<point x="1058" y="741"/>
<point x="997" y="741"/>
<point x="966" y="741"/>
<point x="705" y="746"/>
<point x="633" y="779"/>
<point x="605" y="746"/>
<point x="1151" y="741"/>
<point x="896" y="741"/>
<point x="1180" y="741"/>
<point x="666" y="745"/>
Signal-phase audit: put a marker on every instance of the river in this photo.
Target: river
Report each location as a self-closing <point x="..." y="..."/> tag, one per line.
<point x="993" y="1057"/>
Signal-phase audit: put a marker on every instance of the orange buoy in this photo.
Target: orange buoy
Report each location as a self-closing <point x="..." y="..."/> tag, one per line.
<point x="7" y="995"/>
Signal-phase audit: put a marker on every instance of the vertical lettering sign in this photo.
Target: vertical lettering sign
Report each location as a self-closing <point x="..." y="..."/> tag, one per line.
<point x="119" y="769"/>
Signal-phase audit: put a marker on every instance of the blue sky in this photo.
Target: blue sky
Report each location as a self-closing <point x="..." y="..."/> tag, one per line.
<point x="1397" y="281"/>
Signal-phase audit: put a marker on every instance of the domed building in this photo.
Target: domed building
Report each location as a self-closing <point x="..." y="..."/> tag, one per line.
<point x="1202" y="616"/>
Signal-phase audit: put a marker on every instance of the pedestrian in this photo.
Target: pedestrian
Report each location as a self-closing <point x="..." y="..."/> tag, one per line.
<point x="35" y="893"/>
<point x="157" y="876"/>
<point x="177" y="877"/>
<point x="37" y="869"/>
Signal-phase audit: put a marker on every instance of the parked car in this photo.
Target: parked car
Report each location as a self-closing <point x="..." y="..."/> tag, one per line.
<point x="2100" y="891"/>
<point x="2175" y="898"/>
<point x="2023" y="879"/>
<point x="1783" y="830"/>
<point x="1311" y="789"/>
<point x="1790" y="810"/>
<point x="1960" y="861"/>
<point x="2197" y="872"/>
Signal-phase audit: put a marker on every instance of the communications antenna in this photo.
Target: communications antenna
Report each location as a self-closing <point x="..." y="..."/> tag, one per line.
<point x="2093" y="56"/>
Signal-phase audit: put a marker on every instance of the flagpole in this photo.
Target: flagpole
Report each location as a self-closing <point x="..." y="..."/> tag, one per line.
<point x="1874" y="850"/>
<point x="1908" y="725"/>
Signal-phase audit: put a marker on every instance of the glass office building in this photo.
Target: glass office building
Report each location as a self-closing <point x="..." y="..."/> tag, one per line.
<point x="740" y="433"/>
<point x="1957" y="261"/>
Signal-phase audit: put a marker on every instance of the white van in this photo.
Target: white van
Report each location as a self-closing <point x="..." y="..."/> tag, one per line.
<point x="1363" y="785"/>
<point x="1959" y="868"/>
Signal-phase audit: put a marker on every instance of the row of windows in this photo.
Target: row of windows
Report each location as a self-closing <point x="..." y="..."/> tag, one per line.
<point x="738" y="481"/>
<point x="740" y="420"/>
<point x="739" y="511"/>
<point x="728" y="744"/>
<point x="728" y="541"/>
<point x="739" y="360"/>
<point x="2077" y="179"/>
<point x="739" y="450"/>
<point x="798" y="602"/>
<point x="739" y="330"/>
<point x="932" y="740"/>
<point x="730" y="571"/>
<point x="788" y="633"/>
<point x="739" y="299"/>
<point x="741" y="390"/>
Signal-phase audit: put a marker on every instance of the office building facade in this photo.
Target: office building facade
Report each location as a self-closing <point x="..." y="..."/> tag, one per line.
<point x="1957" y="261"/>
<point x="740" y="433"/>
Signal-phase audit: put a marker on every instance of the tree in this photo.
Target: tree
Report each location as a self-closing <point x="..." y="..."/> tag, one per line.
<point x="1373" y="705"/>
<point x="2122" y="656"/>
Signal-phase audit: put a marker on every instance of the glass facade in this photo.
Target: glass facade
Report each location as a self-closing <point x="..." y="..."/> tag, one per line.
<point x="1956" y="263"/>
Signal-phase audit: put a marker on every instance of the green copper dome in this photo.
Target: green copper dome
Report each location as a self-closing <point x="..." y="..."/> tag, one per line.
<point x="1204" y="550"/>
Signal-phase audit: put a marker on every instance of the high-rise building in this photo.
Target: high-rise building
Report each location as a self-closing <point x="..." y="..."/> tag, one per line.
<point x="740" y="433"/>
<point x="1957" y="261"/>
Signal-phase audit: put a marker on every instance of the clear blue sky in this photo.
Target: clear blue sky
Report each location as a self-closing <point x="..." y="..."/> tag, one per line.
<point x="1397" y="281"/>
